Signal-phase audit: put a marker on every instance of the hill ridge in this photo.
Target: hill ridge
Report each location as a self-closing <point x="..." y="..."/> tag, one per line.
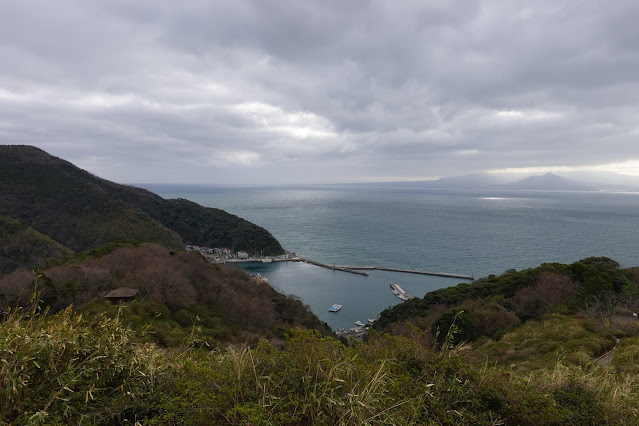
<point x="81" y="211"/>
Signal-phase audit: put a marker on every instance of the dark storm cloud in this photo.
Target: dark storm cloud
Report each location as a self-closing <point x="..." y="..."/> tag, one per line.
<point x="277" y="91"/>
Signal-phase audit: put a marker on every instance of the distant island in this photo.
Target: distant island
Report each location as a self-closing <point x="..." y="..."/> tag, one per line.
<point x="574" y="181"/>
<point x="548" y="182"/>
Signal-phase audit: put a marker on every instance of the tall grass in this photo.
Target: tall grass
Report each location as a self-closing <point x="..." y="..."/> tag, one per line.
<point x="60" y="369"/>
<point x="64" y="370"/>
<point x="614" y="395"/>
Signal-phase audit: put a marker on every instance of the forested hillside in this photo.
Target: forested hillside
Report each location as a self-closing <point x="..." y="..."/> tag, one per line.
<point x="497" y="303"/>
<point x="80" y="211"/>
<point x="21" y="245"/>
<point x="180" y="295"/>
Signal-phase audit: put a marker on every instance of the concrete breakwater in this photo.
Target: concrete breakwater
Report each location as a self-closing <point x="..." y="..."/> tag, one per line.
<point x="413" y="271"/>
<point x="334" y="267"/>
<point x="360" y="270"/>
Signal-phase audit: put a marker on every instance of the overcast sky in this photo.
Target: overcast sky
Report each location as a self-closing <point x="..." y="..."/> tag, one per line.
<point x="322" y="91"/>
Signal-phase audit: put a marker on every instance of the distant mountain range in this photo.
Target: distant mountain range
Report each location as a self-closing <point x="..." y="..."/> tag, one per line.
<point x="548" y="182"/>
<point x="574" y="181"/>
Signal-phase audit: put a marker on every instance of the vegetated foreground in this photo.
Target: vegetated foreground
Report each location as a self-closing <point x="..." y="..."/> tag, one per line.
<point x="521" y="348"/>
<point x="180" y="296"/>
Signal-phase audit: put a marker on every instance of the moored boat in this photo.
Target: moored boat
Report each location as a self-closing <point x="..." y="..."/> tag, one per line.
<point x="336" y="307"/>
<point x="358" y="322"/>
<point x="399" y="292"/>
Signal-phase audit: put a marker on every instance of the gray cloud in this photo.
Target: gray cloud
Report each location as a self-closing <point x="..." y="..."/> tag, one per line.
<point x="284" y="91"/>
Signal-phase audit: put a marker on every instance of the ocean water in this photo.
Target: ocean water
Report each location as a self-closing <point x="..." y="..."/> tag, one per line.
<point x="455" y="231"/>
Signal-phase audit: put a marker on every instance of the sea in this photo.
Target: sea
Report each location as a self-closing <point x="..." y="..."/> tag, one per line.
<point x="470" y="232"/>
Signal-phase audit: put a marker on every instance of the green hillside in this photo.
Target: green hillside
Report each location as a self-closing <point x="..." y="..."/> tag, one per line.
<point x="180" y="294"/>
<point x="21" y="245"/>
<point x="81" y="211"/>
<point x="497" y="303"/>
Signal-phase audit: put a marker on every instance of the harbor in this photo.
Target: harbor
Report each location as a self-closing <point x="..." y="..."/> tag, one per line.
<point x="358" y="270"/>
<point x="361" y="297"/>
<point x="219" y="255"/>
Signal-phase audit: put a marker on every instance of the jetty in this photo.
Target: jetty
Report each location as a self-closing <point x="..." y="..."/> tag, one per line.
<point x="399" y="292"/>
<point x="412" y="271"/>
<point x="334" y="267"/>
<point x="357" y="269"/>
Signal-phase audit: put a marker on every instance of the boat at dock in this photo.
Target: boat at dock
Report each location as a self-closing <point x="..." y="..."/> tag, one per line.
<point x="371" y="320"/>
<point x="359" y="323"/>
<point x="267" y="260"/>
<point x="336" y="307"/>
<point x="399" y="292"/>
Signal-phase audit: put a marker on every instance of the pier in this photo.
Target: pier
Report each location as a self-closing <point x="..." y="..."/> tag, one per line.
<point x="359" y="270"/>
<point x="334" y="267"/>
<point x="412" y="271"/>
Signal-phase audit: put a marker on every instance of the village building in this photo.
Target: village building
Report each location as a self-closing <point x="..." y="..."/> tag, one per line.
<point x="122" y="294"/>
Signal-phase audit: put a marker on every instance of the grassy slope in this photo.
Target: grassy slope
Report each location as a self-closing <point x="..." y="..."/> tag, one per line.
<point x="64" y="370"/>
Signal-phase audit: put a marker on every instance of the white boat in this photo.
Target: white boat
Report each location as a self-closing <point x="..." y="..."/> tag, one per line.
<point x="371" y="320"/>
<point x="399" y="292"/>
<point x="336" y="307"/>
<point x="267" y="260"/>
<point x="361" y="324"/>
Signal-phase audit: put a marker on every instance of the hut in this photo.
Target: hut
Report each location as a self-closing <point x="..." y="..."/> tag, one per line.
<point x="122" y="294"/>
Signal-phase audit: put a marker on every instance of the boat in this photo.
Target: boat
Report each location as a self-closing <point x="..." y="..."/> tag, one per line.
<point x="336" y="307"/>
<point x="361" y="324"/>
<point x="371" y="320"/>
<point x="267" y="260"/>
<point x="399" y="292"/>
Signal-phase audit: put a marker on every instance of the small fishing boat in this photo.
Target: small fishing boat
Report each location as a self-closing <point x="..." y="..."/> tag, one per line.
<point x="359" y="323"/>
<point x="336" y="307"/>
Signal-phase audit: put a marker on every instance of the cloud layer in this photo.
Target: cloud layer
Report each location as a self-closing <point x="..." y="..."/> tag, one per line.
<point x="321" y="91"/>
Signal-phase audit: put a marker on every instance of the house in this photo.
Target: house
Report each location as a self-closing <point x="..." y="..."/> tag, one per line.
<point x="122" y="294"/>
<point x="242" y="255"/>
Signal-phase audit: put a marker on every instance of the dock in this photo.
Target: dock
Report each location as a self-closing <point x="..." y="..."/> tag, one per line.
<point x="399" y="292"/>
<point x="412" y="271"/>
<point x="334" y="267"/>
<point x="359" y="269"/>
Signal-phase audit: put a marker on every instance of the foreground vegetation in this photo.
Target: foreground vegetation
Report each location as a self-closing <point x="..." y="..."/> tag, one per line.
<point x="62" y="369"/>
<point x="155" y="362"/>
<point x="180" y="295"/>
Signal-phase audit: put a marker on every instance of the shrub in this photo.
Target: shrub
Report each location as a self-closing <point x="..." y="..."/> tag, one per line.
<point x="61" y="370"/>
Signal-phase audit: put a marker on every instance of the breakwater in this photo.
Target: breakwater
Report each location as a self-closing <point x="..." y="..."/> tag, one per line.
<point x="413" y="271"/>
<point x="359" y="270"/>
<point x="334" y="267"/>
